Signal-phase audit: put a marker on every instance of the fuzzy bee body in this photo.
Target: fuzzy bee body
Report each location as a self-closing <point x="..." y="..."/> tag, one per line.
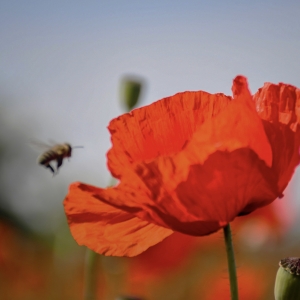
<point x="57" y="152"/>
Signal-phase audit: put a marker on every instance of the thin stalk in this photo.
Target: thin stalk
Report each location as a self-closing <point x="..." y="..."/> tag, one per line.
<point x="90" y="275"/>
<point x="231" y="263"/>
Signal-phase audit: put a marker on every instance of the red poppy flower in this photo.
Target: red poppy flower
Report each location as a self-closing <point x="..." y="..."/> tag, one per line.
<point x="189" y="163"/>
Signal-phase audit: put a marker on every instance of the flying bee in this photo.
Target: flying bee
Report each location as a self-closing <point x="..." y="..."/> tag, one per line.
<point x="57" y="152"/>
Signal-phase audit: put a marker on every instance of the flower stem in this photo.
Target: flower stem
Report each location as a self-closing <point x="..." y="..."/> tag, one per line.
<point x="90" y="275"/>
<point x="231" y="263"/>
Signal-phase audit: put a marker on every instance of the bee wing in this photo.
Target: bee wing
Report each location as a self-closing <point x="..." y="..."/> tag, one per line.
<point x="40" y="146"/>
<point x="52" y="142"/>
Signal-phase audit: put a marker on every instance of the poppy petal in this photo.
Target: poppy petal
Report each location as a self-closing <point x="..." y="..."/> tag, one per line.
<point x="278" y="105"/>
<point x="161" y="128"/>
<point x="105" y="229"/>
<point x="227" y="184"/>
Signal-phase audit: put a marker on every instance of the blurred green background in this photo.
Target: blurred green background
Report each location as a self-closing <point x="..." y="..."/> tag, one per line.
<point x="61" y="67"/>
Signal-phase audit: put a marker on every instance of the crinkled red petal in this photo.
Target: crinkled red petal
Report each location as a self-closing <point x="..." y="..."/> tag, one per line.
<point x="279" y="107"/>
<point x="105" y="229"/>
<point x="227" y="184"/>
<point x="161" y="128"/>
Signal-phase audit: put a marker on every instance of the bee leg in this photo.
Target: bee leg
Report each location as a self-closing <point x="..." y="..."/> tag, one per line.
<point x="51" y="169"/>
<point x="59" y="162"/>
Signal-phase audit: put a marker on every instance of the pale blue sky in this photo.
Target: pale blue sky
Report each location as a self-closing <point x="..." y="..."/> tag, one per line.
<point x="61" y="62"/>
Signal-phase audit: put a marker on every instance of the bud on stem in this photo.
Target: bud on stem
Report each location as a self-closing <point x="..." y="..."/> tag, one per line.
<point x="130" y="91"/>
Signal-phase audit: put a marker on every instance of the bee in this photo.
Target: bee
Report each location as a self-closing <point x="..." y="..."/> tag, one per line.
<point x="57" y="152"/>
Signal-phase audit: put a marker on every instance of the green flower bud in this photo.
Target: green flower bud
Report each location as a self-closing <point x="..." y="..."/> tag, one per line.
<point x="287" y="284"/>
<point x="130" y="91"/>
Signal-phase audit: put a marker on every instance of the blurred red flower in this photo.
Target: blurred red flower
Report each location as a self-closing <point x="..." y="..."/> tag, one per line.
<point x="179" y="259"/>
<point x="252" y="285"/>
<point x="23" y="264"/>
<point x="163" y="258"/>
<point x="189" y="163"/>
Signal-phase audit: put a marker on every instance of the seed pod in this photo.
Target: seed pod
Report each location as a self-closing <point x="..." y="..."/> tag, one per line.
<point x="287" y="284"/>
